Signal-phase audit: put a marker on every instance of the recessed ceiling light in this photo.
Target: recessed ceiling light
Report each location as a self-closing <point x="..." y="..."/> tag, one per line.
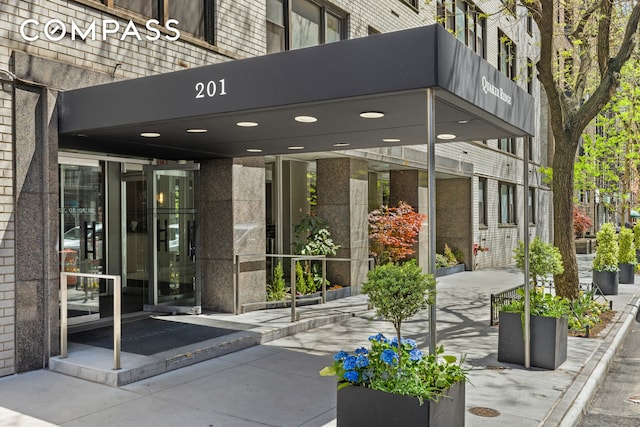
<point x="391" y="140"/>
<point x="296" y="147"/>
<point x="247" y="124"/>
<point x="150" y="134"/>
<point x="306" y="119"/>
<point x="463" y="122"/>
<point x="446" y="136"/>
<point x="197" y="130"/>
<point x="341" y="144"/>
<point x="371" y="115"/>
<point x="254" y="150"/>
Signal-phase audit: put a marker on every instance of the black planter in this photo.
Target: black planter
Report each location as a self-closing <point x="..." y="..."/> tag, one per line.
<point x="627" y="273"/>
<point x="548" y="340"/>
<point x="360" y="406"/>
<point x="446" y="271"/>
<point x="607" y="282"/>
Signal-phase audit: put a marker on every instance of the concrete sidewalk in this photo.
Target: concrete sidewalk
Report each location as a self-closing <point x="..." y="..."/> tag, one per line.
<point x="277" y="383"/>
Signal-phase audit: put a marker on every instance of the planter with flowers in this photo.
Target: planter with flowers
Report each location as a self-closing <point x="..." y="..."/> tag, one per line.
<point x="393" y="382"/>
<point x="605" y="263"/>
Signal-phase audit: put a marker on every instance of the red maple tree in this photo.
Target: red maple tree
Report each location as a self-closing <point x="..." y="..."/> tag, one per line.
<point x="581" y="222"/>
<point x="393" y="232"/>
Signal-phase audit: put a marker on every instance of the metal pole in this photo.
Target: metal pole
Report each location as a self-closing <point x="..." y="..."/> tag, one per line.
<point x="431" y="147"/>
<point x="63" y="315"/>
<point x="324" y="280"/>
<point x="293" y="290"/>
<point x="236" y="291"/>
<point x="117" y="318"/>
<point x="527" y="308"/>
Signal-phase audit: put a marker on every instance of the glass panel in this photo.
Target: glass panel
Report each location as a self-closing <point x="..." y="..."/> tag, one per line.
<point x="275" y="38"/>
<point x="82" y="236"/>
<point x="275" y="12"/>
<point x="481" y="195"/>
<point x="461" y="17"/>
<point x="305" y="24"/>
<point x="175" y="238"/>
<point x="190" y="15"/>
<point x="136" y="262"/>
<point x="147" y="8"/>
<point x="334" y="29"/>
<point x="504" y="204"/>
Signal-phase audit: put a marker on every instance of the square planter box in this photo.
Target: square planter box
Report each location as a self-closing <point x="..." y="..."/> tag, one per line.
<point x="627" y="273"/>
<point x="548" y="340"/>
<point x="446" y="271"/>
<point x="360" y="406"/>
<point x="607" y="282"/>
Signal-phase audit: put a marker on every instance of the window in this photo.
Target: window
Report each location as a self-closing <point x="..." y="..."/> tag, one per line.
<point x="482" y="202"/>
<point x="506" y="56"/>
<point x="412" y="3"/>
<point x="530" y="76"/>
<point x="507" y="204"/>
<point x="195" y="17"/>
<point x="309" y="24"/>
<point x="532" y="205"/>
<point x="465" y="20"/>
<point x="531" y="140"/>
<point x="507" y="144"/>
<point x="529" y="24"/>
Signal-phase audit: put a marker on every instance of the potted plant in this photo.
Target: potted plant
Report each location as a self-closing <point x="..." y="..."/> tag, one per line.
<point x="312" y="237"/>
<point x="605" y="263"/>
<point x="393" y="382"/>
<point x="626" y="256"/>
<point x="636" y="239"/>
<point x="544" y="260"/>
<point x="548" y="314"/>
<point x="549" y="330"/>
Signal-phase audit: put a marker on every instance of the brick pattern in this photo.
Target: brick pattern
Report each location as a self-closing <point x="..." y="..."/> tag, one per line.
<point x="240" y="32"/>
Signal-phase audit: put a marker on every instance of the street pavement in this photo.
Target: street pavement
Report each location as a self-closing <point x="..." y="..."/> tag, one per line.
<point x="277" y="383"/>
<point x="617" y="401"/>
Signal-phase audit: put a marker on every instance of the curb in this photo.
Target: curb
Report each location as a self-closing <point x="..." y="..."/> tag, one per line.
<point x="589" y="379"/>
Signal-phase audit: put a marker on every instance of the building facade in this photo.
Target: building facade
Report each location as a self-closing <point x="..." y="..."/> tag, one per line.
<point x="86" y="208"/>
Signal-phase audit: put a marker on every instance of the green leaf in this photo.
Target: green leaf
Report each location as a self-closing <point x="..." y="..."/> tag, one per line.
<point x="328" y="371"/>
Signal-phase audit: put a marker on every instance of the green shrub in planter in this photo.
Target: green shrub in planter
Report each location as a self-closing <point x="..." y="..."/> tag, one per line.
<point x="605" y="264"/>
<point x="607" y="250"/>
<point x="636" y="234"/>
<point x="626" y="256"/>
<point x="626" y="247"/>
<point x="544" y="259"/>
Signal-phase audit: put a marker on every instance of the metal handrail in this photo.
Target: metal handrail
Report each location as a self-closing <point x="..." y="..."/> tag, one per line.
<point x="117" y="325"/>
<point x="236" y="282"/>
<point x="294" y="258"/>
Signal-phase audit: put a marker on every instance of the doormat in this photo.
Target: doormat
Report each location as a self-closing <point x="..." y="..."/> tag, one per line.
<point x="150" y="336"/>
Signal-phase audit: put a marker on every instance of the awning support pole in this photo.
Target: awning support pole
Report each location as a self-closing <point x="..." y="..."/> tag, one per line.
<point x="527" y="308"/>
<point x="431" y="218"/>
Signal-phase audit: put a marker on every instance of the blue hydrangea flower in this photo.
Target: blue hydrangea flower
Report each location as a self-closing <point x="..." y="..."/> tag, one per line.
<point x="415" y="355"/>
<point x="340" y="355"/>
<point x="409" y="341"/>
<point x="389" y="357"/>
<point x="349" y="363"/>
<point x="351" y="376"/>
<point x="361" y="351"/>
<point x="362" y="361"/>
<point x="379" y="338"/>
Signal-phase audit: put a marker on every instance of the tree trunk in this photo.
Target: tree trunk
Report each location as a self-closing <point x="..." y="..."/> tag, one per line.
<point x="567" y="283"/>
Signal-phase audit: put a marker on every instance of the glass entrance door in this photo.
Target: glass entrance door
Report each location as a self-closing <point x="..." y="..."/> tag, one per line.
<point x="160" y="256"/>
<point x="82" y="242"/>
